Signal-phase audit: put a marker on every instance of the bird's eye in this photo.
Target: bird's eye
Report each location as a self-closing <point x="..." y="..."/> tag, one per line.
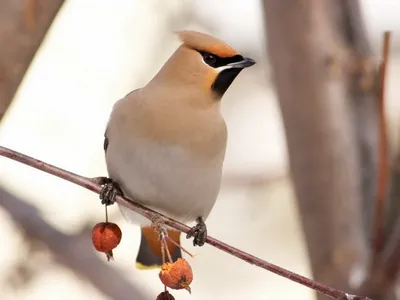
<point x="209" y="59"/>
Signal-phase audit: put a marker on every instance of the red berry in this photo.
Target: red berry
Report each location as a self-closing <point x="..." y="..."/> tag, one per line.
<point x="105" y="237"/>
<point x="165" y="296"/>
<point x="177" y="275"/>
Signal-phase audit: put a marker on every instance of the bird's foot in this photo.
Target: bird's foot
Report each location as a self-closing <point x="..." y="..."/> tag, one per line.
<point x="159" y="226"/>
<point x="198" y="232"/>
<point x="162" y="231"/>
<point x="110" y="190"/>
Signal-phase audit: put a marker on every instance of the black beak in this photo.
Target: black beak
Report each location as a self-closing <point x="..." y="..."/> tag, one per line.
<point x="245" y="63"/>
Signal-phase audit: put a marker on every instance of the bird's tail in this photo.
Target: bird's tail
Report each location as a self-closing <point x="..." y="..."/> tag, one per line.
<point x="150" y="255"/>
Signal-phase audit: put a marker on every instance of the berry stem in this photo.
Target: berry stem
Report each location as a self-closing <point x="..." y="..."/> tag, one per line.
<point x="106" y="213"/>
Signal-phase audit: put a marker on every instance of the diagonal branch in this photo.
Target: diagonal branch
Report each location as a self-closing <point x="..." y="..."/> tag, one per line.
<point x="24" y="24"/>
<point x="91" y="184"/>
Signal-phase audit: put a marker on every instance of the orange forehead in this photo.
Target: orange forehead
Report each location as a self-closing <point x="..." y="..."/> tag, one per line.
<point x="204" y="42"/>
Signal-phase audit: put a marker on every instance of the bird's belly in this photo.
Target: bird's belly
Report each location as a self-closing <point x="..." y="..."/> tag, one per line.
<point x="165" y="178"/>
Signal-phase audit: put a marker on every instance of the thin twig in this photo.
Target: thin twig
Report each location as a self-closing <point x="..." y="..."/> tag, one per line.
<point x="383" y="163"/>
<point x="152" y="215"/>
<point x="179" y="246"/>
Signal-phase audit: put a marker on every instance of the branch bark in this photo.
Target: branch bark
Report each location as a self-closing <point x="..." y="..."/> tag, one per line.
<point x="92" y="184"/>
<point x="23" y="24"/>
<point x="363" y="89"/>
<point x="75" y="252"/>
<point x="309" y="54"/>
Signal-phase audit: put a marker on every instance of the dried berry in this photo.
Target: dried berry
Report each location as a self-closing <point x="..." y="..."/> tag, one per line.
<point x="165" y="296"/>
<point x="105" y="237"/>
<point x="177" y="275"/>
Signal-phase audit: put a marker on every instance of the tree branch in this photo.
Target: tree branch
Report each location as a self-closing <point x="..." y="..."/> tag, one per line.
<point x="23" y="24"/>
<point x="383" y="162"/>
<point x="362" y="89"/>
<point x="309" y="57"/>
<point x="91" y="185"/>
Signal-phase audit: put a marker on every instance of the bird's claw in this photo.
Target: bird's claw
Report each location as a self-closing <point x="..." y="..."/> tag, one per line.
<point x="198" y="232"/>
<point x="110" y="190"/>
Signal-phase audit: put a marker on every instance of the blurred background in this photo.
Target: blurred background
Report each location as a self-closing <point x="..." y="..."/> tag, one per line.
<point x="92" y="53"/>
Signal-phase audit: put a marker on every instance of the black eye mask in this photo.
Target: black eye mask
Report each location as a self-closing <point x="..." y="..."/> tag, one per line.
<point x="215" y="61"/>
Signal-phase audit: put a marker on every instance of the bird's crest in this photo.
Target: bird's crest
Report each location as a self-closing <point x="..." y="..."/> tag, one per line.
<point x="204" y="42"/>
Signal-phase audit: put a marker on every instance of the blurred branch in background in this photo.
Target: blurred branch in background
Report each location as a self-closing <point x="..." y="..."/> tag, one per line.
<point x="309" y="54"/>
<point x="23" y="25"/>
<point x="362" y="84"/>
<point x="75" y="252"/>
<point x="383" y="162"/>
<point x="328" y="86"/>
<point x="384" y="275"/>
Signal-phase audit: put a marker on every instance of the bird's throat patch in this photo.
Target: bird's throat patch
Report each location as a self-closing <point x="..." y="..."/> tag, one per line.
<point x="224" y="80"/>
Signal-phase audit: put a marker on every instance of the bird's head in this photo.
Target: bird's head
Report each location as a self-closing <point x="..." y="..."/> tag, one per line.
<point x="204" y="63"/>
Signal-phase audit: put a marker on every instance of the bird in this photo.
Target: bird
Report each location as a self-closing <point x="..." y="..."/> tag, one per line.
<point x="165" y="143"/>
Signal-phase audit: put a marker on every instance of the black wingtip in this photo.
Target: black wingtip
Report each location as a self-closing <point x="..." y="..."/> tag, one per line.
<point x="146" y="258"/>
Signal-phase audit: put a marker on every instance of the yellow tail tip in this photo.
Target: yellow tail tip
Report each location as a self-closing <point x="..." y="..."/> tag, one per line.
<point x="141" y="266"/>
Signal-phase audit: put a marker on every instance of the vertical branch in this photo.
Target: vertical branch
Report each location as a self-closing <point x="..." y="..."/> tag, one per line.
<point x="310" y="44"/>
<point x="362" y="90"/>
<point x="383" y="164"/>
